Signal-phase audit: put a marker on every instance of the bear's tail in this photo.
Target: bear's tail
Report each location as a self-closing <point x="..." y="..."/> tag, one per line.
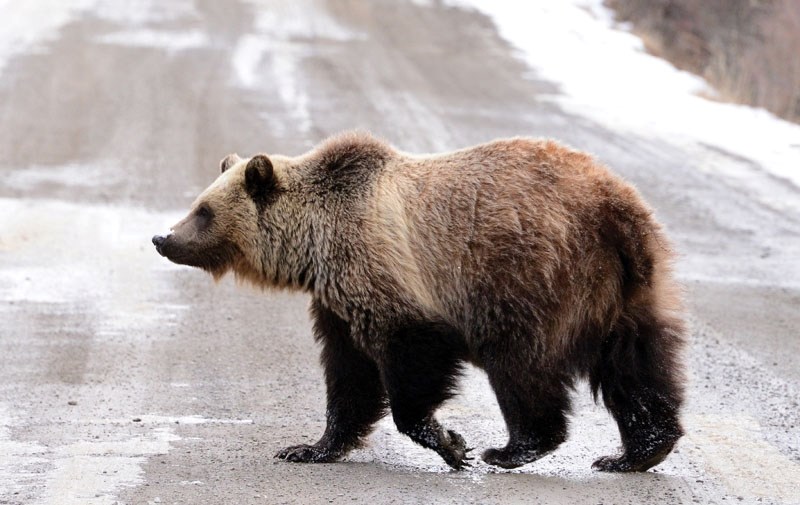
<point x="638" y="369"/>
<point x="645" y="342"/>
<point x="641" y="353"/>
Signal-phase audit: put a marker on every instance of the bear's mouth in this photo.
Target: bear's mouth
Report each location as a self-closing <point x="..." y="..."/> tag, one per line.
<point x="169" y="248"/>
<point x="211" y="258"/>
<point x="174" y="250"/>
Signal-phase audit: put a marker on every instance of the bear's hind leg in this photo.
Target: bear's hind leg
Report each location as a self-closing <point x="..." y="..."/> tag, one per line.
<point x="641" y="384"/>
<point x="534" y="408"/>
<point x="422" y="365"/>
<point x="356" y="397"/>
<point x="649" y="428"/>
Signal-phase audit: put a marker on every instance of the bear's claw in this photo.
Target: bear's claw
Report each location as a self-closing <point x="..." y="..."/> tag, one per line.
<point x="455" y="451"/>
<point x="306" y="454"/>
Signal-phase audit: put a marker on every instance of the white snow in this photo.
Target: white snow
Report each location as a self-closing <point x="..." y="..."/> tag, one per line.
<point x="188" y="419"/>
<point x="135" y="16"/>
<point x="94" y="255"/>
<point x="88" y="470"/>
<point x="25" y="26"/>
<point x="247" y="58"/>
<point x="143" y="12"/>
<point x="604" y="74"/>
<point x="93" y="472"/>
<point x="169" y="40"/>
<point x="281" y="31"/>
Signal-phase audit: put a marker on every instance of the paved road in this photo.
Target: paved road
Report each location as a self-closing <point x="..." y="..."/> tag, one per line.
<point x="126" y="379"/>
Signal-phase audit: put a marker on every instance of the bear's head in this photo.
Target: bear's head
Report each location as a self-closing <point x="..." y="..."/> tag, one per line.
<point x="221" y="231"/>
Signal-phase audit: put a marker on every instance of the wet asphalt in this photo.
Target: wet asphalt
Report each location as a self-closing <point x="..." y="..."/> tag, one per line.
<point x="126" y="379"/>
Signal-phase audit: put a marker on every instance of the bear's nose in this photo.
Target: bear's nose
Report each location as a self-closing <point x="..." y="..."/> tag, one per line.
<point x="158" y="241"/>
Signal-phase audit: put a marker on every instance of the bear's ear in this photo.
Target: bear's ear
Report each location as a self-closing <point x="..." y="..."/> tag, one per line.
<point x="258" y="177"/>
<point x="228" y="161"/>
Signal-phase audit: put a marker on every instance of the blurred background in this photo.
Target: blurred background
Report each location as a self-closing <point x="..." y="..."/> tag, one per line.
<point x="746" y="49"/>
<point x="126" y="379"/>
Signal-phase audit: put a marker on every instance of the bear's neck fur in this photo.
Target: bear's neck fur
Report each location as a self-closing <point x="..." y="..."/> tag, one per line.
<point x="317" y="219"/>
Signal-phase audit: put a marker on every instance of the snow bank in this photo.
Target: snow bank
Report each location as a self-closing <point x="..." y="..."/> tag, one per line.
<point x="605" y="75"/>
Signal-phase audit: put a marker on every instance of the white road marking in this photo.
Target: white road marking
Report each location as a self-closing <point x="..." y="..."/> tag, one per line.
<point x="735" y="452"/>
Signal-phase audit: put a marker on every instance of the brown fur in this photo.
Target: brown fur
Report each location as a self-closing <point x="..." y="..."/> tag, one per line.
<point x="523" y="256"/>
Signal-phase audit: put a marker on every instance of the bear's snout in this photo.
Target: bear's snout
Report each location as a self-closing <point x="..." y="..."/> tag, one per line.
<point x="158" y="241"/>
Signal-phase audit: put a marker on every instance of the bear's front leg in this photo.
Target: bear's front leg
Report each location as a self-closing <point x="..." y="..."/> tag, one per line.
<point x="356" y="397"/>
<point x="420" y="369"/>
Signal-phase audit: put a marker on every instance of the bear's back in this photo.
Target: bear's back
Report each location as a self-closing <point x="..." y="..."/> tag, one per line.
<point x="518" y="223"/>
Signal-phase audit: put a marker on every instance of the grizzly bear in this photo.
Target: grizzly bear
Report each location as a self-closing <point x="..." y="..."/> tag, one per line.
<point x="523" y="257"/>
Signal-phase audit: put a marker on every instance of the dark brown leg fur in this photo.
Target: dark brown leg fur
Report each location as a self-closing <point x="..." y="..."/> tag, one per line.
<point x="356" y="397"/>
<point x="640" y="381"/>
<point x="533" y="406"/>
<point x="422" y="363"/>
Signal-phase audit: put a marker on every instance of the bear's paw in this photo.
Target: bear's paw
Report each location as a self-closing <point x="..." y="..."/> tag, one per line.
<point x="307" y="454"/>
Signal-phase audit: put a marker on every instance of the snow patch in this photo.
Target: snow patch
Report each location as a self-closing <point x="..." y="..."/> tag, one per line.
<point x="247" y="57"/>
<point x="89" y="471"/>
<point x="168" y="40"/>
<point x="282" y="30"/>
<point x="290" y="20"/>
<point x="136" y="15"/>
<point x="605" y="74"/>
<point x="93" y="472"/>
<point x="70" y="175"/>
<point x="143" y="12"/>
<point x="61" y="253"/>
<point x="154" y="419"/>
<point x="17" y="459"/>
<point x="25" y="26"/>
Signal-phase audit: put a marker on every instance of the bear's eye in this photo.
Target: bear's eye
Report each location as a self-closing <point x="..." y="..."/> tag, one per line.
<point x="204" y="215"/>
<point x="203" y="211"/>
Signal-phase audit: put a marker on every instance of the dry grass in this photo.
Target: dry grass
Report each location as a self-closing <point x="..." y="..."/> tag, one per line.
<point x="749" y="50"/>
